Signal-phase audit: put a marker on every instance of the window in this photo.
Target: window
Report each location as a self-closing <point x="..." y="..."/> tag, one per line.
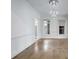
<point x="61" y="29"/>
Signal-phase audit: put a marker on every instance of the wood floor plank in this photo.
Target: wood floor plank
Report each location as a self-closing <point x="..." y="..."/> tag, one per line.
<point x="46" y="49"/>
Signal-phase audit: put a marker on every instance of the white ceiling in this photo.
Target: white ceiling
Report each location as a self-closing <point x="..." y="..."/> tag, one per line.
<point x="42" y="6"/>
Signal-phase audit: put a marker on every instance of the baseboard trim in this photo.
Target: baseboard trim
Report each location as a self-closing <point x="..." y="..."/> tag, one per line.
<point x="23" y="50"/>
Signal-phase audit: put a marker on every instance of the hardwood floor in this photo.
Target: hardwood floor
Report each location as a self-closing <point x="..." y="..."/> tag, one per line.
<point x="46" y="49"/>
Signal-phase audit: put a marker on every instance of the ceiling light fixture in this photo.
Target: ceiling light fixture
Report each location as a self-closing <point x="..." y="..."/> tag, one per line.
<point x="53" y="4"/>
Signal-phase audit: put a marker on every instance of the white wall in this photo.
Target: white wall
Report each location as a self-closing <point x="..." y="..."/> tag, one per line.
<point x="54" y="28"/>
<point x="23" y="30"/>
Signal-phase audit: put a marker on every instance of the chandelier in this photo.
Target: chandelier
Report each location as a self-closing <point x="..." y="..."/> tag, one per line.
<point x="53" y="5"/>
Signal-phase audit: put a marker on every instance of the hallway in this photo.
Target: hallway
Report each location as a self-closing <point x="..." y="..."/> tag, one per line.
<point x="46" y="48"/>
